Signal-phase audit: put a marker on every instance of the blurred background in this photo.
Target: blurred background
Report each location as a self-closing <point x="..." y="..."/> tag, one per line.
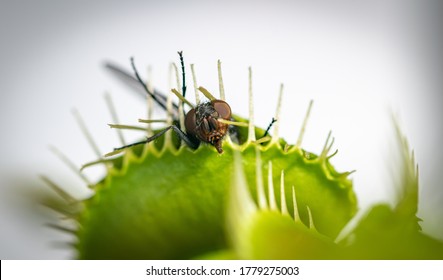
<point x="359" y="61"/>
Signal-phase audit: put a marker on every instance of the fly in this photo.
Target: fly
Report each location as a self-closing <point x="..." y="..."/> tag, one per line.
<point x="204" y="123"/>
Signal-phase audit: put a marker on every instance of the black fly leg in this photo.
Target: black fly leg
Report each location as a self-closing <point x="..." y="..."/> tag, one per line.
<point x="191" y="143"/>
<point x="183" y="73"/>
<point x="269" y="127"/>
<point x="161" y="102"/>
<point x="137" y="84"/>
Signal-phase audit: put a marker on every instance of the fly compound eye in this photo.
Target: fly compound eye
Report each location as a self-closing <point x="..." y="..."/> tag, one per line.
<point x="222" y="108"/>
<point x="190" y="122"/>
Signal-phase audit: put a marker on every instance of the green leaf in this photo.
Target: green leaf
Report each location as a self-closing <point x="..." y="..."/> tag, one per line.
<point x="171" y="204"/>
<point x="387" y="232"/>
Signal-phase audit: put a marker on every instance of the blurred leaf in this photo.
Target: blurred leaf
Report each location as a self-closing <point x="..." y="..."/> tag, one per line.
<point x="394" y="232"/>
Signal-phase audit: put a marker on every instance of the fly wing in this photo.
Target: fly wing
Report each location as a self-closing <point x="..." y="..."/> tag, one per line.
<point x="140" y="87"/>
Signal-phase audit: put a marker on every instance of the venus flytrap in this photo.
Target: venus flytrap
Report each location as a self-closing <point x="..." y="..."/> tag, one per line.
<point x="262" y="198"/>
<point x="163" y="200"/>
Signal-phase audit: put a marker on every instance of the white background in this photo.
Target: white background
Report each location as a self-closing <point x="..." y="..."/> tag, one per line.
<point x="358" y="60"/>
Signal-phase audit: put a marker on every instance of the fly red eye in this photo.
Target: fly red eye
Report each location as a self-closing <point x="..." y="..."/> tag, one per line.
<point x="190" y="122"/>
<point x="222" y="109"/>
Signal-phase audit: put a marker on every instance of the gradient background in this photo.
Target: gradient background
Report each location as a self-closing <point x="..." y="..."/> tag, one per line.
<point x="358" y="61"/>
